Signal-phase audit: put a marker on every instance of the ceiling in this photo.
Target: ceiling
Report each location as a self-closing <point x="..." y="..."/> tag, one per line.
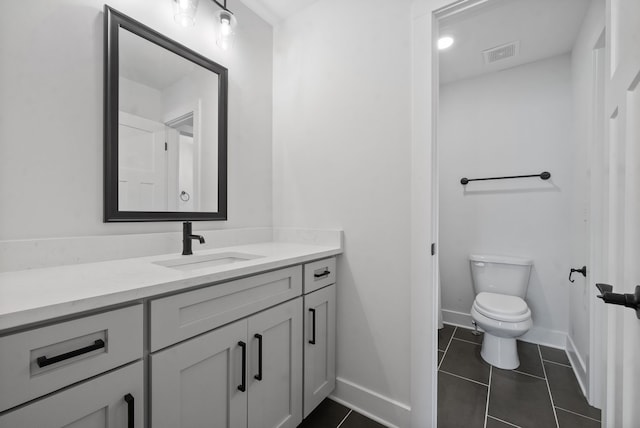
<point x="544" y="28"/>
<point x="149" y="64"/>
<point x="274" y="11"/>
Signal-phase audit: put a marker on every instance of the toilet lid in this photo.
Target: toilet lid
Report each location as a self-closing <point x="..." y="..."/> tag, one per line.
<point x="502" y="307"/>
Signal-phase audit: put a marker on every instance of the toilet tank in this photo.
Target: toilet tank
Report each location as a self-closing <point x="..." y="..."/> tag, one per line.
<point x="500" y="274"/>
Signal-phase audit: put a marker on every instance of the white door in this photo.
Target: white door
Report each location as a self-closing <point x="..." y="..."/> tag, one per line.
<point x="142" y="164"/>
<point x="623" y="231"/>
<point x="319" y="346"/>
<point x="275" y="367"/>
<point x="198" y="383"/>
<point x="99" y="403"/>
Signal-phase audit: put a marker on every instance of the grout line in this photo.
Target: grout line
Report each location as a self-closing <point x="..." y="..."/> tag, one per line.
<point x="447" y="348"/>
<point x="577" y="414"/>
<point x="467" y="341"/>
<point x="556" y="363"/>
<point x="529" y="374"/>
<point x="464" y="378"/>
<point x="504" y="422"/>
<point x="548" y="389"/>
<point x="449" y="341"/>
<point x="345" y="418"/>
<point x="486" y="411"/>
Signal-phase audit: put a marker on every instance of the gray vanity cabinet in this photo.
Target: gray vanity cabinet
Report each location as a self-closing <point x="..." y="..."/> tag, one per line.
<point x="319" y="332"/>
<point x="82" y="373"/>
<point x="319" y="346"/>
<point x="195" y="383"/>
<point x="250" y="352"/>
<point x="98" y="403"/>
<point x="245" y="374"/>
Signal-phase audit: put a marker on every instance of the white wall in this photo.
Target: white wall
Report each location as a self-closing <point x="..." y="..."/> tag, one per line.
<point x="51" y="114"/>
<point x="513" y="122"/>
<point x="582" y="76"/>
<point x="342" y="159"/>
<point x="140" y="100"/>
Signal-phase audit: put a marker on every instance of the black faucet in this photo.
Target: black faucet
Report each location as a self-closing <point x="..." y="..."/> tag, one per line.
<point x="187" y="236"/>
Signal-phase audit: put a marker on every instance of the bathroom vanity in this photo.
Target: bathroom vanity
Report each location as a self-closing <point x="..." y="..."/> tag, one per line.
<point x="235" y="337"/>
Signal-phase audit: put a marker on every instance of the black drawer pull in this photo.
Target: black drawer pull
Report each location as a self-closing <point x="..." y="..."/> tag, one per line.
<point x="313" y="326"/>
<point x="130" y="411"/>
<point x="44" y="361"/>
<point x="243" y="386"/>
<point x="322" y="274"/>
<point x="259" y="375"/>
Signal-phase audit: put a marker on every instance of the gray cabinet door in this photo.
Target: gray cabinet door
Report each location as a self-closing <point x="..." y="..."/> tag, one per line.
<point x="319" y="346"/>
<point x="98" y="403"/>
<point x="276" y="400"/>
<point x="195" y="384"/>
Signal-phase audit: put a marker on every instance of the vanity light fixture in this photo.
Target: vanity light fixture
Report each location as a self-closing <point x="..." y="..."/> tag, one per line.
<point x="227" y="28"/>
<point x="184" y="13"/>
<point x="445" y="42"/>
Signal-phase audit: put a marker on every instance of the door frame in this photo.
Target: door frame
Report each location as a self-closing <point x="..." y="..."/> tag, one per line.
<point x="424" y="221"/>
<point x="596" y="369"/>
<point x="424" y="207"/>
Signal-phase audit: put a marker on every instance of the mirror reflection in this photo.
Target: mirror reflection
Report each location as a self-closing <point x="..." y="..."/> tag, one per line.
<point x="168" y="130"/>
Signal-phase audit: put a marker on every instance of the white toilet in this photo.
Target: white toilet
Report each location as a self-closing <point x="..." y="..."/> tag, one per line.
<point x="500" y="283"/>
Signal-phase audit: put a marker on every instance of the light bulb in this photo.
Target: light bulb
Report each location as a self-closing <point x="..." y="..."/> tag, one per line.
<point x="445" y="42"/>
<point x="226" y="30"/>
<point x="225" y="26"/>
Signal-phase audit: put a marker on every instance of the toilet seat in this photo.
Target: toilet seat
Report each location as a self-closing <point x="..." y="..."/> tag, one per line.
<point x="502" y="307"/>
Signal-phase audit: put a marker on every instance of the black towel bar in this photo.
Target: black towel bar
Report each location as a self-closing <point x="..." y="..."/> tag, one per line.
<point x="543" y="175"/>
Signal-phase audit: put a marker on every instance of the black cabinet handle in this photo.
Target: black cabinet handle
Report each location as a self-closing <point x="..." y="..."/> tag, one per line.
<point x="259" y="375"/>
<point x="130" y="411"/>
<point x="44" y="361"/>
<point x="243" y="386"/>
<point x="321" y="274"/>
<point x="313" y="326"/>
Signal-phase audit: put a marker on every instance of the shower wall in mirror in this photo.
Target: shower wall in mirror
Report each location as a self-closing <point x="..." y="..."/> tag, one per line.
<point x="165" y="141"/>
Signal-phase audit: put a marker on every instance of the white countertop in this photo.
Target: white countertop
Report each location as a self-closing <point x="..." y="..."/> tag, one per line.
<point x="35" y="295"/>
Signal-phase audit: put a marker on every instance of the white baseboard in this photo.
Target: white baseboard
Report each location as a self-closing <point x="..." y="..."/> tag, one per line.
<point x="539" y="335"/>
<point x="546" y="337"/>
<point x="373" y="405"/>
<point x="459" y="319"/>
<point x="578" y="365"/>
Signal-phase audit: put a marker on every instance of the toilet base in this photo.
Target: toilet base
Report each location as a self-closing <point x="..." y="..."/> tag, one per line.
<point x="500" y="352"/>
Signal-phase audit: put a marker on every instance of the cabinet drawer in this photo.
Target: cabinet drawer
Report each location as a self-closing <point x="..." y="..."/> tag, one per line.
<point x="179" y="317"/>
<point x="40" y="361"/>
<point x="319" y="274"/>
<point x="98" y="403"/>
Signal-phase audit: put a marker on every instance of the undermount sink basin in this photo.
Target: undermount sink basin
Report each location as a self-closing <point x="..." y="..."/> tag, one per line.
<point x="188" y="263"/>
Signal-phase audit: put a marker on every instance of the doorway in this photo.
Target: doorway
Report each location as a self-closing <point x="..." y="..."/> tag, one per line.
<point x="506" y="100"/>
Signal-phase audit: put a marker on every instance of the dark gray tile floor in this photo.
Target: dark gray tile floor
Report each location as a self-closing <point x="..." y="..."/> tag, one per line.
<point x="330" y="414"/>
<point x="543" y="392"/>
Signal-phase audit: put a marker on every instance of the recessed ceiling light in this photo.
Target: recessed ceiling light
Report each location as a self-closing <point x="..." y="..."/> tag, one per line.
<point x="445" y="42"/>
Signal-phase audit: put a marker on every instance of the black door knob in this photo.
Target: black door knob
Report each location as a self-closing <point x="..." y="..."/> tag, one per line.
<point x="627" y="300"/>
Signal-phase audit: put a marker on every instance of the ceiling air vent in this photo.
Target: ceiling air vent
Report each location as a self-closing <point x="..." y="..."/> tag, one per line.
<point x="501" y="52"/>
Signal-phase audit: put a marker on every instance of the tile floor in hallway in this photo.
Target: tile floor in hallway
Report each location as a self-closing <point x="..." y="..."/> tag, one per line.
<point x="543" y="392"/>
<point x="330" y="414"/>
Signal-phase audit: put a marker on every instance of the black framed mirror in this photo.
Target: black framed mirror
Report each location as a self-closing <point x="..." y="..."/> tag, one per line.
<point x="165" y="132"/>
